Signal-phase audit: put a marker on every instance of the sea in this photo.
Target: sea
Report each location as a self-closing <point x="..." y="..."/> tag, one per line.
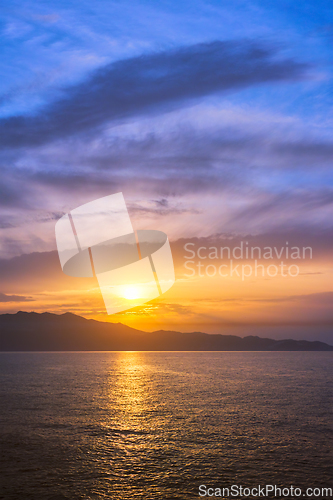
<point x="162" y="425"/>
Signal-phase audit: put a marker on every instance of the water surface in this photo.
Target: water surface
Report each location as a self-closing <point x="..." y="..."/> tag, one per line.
<point x="125" y="425"/>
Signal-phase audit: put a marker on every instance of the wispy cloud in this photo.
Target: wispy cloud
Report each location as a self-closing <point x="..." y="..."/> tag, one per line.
<point x="14" y="298"/>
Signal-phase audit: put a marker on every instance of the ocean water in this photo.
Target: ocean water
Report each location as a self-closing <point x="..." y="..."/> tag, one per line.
<point x="147" y="425"/>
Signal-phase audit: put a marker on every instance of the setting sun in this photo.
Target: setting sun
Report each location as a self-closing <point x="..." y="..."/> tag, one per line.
<point x="131" y="293"/>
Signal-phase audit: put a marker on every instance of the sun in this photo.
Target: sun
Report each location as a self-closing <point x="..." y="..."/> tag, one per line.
<point x="131" y="292"/>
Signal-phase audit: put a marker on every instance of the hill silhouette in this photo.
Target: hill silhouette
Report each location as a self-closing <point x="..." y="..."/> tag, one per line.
<point x="32" y="331"/>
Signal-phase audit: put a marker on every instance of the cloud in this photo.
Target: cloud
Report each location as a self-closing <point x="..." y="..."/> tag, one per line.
<point x="158" y="207"/>
<point x="33" y="272"/>
<point x="182" y="154"/>
<point x="320" y="241"/>
<point x="194" y="150"/>
<point x="155" y="309"/>
<point x="322" y="299"/>
<point x="298" y="206"/>
<point x="37" y="272"/>
<point x="14" y="298"/>
<point x="151" y="83"/>
<point x="10" y="195"/>
<point x="305" y="152"/>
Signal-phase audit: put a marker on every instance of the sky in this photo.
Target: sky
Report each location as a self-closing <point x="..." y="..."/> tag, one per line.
<point x="213" y="118"/>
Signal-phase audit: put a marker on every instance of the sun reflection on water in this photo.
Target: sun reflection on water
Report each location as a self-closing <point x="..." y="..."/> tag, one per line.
<point x="129" y="390"/>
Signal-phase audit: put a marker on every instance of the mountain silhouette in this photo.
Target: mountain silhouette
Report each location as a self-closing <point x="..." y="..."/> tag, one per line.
<point x="32" y="331"/>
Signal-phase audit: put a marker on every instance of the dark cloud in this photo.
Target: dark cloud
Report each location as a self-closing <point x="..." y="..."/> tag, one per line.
<point x="5" y="225"/>
<point x="177" y="160"/>
<point x="67" y="180"/>
<point x="15" y="188"/>
<point x="320" y="241"/>
<point x="151" y="83"/>
<point x="37" y="271"/>
<point x="49" y="216"/>
<point x="185" y="150"/>
<point x="162" y="203"/>
<point x="160" y="207"/>
<point x="305" y="152"/>
<point x="287" y="207"/>
<point x="10" y="195"/>
<point x="14" y="298"/>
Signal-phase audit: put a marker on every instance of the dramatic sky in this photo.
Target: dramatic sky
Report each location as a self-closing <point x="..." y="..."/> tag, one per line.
<point x="214" y="118"/>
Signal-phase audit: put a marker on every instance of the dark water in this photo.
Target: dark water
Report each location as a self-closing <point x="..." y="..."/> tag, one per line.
<point x="157" y="425"/>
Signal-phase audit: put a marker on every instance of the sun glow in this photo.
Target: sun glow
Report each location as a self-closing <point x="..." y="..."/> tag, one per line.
<point x="131" y="293"/>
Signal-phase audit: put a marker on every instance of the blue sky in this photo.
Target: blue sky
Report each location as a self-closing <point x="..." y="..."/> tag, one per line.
<point x="50" y="45"/>
<point x="223" y="109"/>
